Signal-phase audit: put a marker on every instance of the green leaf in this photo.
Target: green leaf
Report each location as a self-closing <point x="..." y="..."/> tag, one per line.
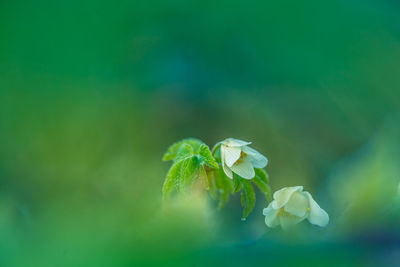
<point x="223" y="198"/>
<point x="237" y="185"/>
<point x="265" y="188"/>
<point x="212" y="184"/>
<point x="189" y="170"/>
<point x="224" y="186"/>
<point x="191" y="161"/>
<point x="262" y="174"/>
<point x="260" y="181"/>
<point x="225" y="181"/>
<point x="248" y="198"/>
<point x="172" y="180"/>
<point x="185" y="151"/>
<point x="174" y="148"/>
<point x="181" y="175"/>
<point x="206" y="156"/>
<point x="203" y="177"/>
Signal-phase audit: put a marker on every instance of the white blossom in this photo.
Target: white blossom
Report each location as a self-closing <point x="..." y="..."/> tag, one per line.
<point x="291" y="205"/>
<point x="237" y="157"/>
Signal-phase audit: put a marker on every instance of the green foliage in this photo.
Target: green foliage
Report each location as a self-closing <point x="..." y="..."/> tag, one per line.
<point x="191" y="158"/>
<point x="261" y="181"/>
<point x="171" y="181"/>
<point x="248" y="197"/>
<point x="185" y="151"/>
<point x="224" y="187"/>
<point x="262" y="175"/>
<point x="193" y="161"/>
<point x="189" y="170"/>
<point x="206" y="156"/>
<point x="237" y="185"/>
<point x="176" y="148"/>
<point x="212" y="186"/>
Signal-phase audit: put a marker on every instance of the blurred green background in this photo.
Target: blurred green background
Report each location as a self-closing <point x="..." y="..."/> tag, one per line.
<point x="93" y="92"/>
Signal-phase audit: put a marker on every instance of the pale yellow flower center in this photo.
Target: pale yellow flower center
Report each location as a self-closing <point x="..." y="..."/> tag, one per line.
<point x="282" y="212"/>
<point x="242" y="156"/>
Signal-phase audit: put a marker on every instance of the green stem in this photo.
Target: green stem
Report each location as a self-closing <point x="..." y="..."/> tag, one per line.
<point x="215" y="148"/>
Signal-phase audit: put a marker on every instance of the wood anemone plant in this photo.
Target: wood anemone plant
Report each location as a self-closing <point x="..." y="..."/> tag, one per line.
<point x="218" y="172"/>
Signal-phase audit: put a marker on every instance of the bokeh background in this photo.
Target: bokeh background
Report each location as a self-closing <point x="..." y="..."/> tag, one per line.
<point x="93" y="92"/>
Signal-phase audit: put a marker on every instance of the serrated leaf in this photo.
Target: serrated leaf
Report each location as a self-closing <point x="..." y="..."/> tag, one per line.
<point x="223" y="198"/>
<point x="206" y="156"/>
<point x="172" y="180"/>
<point x="242" y="199"/>
<point x="189" y="170"/>
<point x="212" y="184"/>
<point x="225" y="181"/>
<point x="248" y="198"/>
<point x="174" y="148"/>
<point x="194" y="159"/>
<point x="262" y="174"/>
<point x="203" y="177"/>
<point x="225" y="187"/>
<point x="237" y="185"/>
<point x="185" y="151"/>
<point x="261" y="180"/>
<point x="265" y="188"/>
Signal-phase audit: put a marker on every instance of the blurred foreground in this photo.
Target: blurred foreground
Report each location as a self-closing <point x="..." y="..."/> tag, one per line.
<point x="92" y="93"/>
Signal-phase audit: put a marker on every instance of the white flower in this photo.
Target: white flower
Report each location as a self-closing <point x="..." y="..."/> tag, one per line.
<point x="291" y="205"/>
<point x="237" y="157"/>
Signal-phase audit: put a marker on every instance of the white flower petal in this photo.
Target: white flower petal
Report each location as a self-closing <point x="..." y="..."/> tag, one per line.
<point x="227" y="171"/>
<point x="271" y="216"/>
<point x="244" y="169"/>
<point x="232" y="142"/>
<point x="287" y="221"/>
<point x="297" y="204"/>
<point x="222" y="153"/>
<point x="317" y="215"/>
<point x="256" y="158"/>
<point x="283" y="195"/>
<point x="231" y="154"/>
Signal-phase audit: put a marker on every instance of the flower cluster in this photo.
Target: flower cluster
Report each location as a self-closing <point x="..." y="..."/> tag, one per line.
<point x="242" y="168"/>
<point x="290" y="205"/>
